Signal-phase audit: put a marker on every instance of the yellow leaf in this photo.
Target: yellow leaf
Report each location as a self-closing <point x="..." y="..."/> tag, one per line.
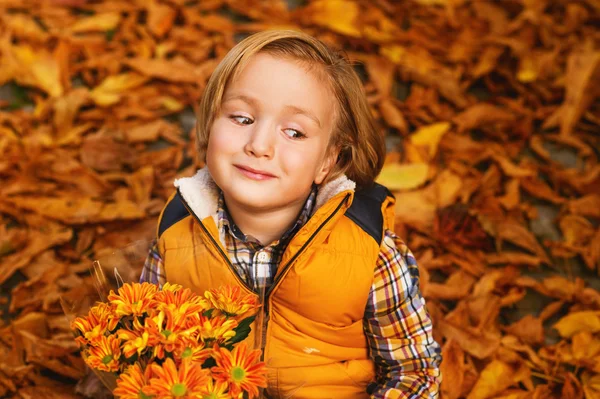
<point x="338" y="15"/>
<point x="171" y="104"/>
<point x="97" y="23"/>
<point x="393" y="52"/>
<point x="403" y="176"/>
<point x="38" y="68"/>
<point x="527" y="70"/>
<point x="430" y="136"/>
<point x="576" y="322"/>
<point x="110" y="90"/>
<point x="496" y="377"/>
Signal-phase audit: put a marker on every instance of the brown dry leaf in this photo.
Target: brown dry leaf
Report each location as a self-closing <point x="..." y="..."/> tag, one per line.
<point x="588" y="205"/>
<point x="421" y="67"/>
<point x="176" y="70"/>
<point x="78" y="209"/>
<point x="106" y="151"/>
<point x="576" y="230"/>
<point x="514" y="258"/>
<point x="539" y="189"/>
<point x="480" y="346"/>
<point x="457" y="286"/>
<point x="381" y="73"/>
<point x="50" y="235"/>
<point x="591" y="255"/>
<point x="392" y="116"/>
<point x="483" y="115"/>
<point x="160" y="18"/>
<point x="529" y="329"/>
<point x="453" y="369"/>
<point x="512" y="170"/>
<point x="583" y="74"/>
<point x="520" y="236"/>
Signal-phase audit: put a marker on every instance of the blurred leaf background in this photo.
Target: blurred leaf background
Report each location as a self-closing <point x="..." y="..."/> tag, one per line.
<point x="491" y="115"/>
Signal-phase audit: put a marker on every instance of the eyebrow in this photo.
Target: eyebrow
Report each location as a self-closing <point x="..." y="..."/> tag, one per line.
<point x="295" y="110"/>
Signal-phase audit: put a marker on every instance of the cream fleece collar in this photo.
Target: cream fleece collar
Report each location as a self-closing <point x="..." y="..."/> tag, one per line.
<point x="201" y="193"/>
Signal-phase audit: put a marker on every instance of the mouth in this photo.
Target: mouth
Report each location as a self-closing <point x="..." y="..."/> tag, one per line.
<point x="254" y="174"/>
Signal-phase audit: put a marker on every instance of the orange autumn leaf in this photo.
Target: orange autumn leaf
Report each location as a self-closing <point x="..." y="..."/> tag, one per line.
<point x="496" y="377"/>
<point x="338" y="15"/>
<point x="100" y="22"/>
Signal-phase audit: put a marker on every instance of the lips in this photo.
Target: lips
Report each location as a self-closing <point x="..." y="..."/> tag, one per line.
<point x="257" y="173"/>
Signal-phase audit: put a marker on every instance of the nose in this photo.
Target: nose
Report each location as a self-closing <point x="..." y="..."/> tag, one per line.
<point x="261" y="141"/>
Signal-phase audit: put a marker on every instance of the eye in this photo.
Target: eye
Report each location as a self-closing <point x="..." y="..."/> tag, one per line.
<point x="294" y="134"/>
<point x="242" y="120"/>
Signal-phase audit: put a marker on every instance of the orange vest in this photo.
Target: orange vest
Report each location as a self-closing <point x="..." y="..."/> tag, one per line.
<point x="314" y="343"/>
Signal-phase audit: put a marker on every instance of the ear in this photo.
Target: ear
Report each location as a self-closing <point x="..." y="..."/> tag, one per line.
<point x="327" y="165"/>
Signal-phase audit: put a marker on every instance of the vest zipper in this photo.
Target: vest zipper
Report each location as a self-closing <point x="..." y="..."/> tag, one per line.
<point x="214" y="242"/>
<point x="276" y="281"/>
<point x="308" y="241"/>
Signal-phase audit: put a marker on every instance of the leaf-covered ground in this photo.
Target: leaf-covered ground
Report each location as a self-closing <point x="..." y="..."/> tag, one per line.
<point x="492" y="117"/>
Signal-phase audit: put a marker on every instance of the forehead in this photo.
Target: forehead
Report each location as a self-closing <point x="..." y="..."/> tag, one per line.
<point x="275" y="79"/>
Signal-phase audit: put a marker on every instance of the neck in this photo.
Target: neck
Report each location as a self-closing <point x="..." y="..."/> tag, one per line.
<point x="264" y="225"/>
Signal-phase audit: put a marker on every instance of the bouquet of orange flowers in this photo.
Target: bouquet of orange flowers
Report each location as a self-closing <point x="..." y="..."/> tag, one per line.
<point x="173" y="343"/>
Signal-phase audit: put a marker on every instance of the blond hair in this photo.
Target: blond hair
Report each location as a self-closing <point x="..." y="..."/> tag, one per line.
<point x="361" y="146"/>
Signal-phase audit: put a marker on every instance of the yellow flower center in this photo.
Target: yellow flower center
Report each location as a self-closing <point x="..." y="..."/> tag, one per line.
<point x="178" y="390"/>
<point x="238" y="374"/>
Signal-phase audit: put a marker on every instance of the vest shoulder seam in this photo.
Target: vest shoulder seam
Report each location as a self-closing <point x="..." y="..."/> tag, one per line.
<point x="174" y="212"/>
<point x="366" y="212"/>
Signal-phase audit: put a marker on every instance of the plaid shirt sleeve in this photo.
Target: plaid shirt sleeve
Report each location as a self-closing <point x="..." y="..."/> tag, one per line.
<point x="153" y="271"/>
<point x="398" y="328"/>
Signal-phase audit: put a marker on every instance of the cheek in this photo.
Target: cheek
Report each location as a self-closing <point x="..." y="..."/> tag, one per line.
<point x="220" y="140"/>
<point x="300" y="162"/>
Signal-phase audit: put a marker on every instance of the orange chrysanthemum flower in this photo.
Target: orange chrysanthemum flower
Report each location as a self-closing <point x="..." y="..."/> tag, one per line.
<point x="181" y="301"/>
<point x="105" y="354"/>
<point x="98" y="321"/>
<point x="240" y="369"/>
<point x="168" y="329"/>
<point x="190" y="348"/>
<point x="215" y="329"/>
<point x="133" y="299"/>
<point x="136" y="341"/>
<point x="134" y="383"/>
<point x="215" y="390"/>
<point x="169" y="381"/>
<point x="231" y="301"/>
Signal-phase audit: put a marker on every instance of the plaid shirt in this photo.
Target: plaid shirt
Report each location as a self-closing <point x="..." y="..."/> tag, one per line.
<point x="396" y="322"/>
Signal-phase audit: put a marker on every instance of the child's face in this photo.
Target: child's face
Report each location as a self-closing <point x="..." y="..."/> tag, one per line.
<point x="275" y="118"/>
